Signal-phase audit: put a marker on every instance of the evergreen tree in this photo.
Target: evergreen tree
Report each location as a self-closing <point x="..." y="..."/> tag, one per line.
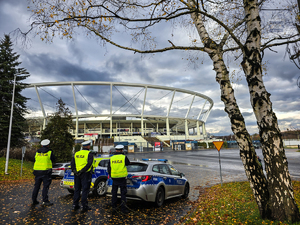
<point x="8" y="69"/>
<point x="61" y="141"/>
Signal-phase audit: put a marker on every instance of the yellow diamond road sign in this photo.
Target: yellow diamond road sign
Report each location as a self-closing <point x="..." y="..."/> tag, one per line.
<point x="218" y="144"/>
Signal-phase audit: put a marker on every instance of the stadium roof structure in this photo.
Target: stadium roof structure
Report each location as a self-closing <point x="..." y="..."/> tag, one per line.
<point x="97" y="106"/>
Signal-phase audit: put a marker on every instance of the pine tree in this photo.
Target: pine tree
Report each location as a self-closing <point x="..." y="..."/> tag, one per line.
<point x="8" y="69"/>
<point x="61" y="141"/>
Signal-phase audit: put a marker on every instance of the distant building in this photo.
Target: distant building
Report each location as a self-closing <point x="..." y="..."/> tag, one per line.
<point x="166" y="113"/>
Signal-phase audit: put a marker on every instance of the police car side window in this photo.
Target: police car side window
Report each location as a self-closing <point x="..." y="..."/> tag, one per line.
<point x="103" y="163"/>
<point x="106" y="163"/>
<point x="155" y="169"/>
<point x="164" y="169"/>
<point x="174" y="171"/>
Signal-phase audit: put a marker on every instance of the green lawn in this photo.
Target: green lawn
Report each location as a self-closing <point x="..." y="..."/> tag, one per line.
<point x="14" y="170"/>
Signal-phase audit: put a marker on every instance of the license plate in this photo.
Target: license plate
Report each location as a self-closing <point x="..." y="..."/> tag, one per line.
<point x="69" y="183"/>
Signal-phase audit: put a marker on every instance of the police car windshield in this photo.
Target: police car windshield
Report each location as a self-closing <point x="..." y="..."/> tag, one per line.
<point x="137" y="167"/>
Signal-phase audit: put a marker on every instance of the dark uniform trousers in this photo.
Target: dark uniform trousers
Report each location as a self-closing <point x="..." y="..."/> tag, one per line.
<point x="46" y="179"/>
<point x="82" y="182"/>
<point x="119" y="182"/>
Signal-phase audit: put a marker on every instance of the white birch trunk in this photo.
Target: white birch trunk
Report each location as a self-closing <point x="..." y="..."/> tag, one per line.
<point x="252" y="167"/>
<point x="281" y="198"/>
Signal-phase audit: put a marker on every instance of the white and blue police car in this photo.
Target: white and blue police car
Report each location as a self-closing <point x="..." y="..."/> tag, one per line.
<point x="153" y="180"/>
<point x="99" y="177"/>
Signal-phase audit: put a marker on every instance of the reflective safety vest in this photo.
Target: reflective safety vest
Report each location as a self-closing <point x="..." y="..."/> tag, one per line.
<point x="42" y="161"/>
<point x="117" y="165"/>
<point x="81" y="159"/>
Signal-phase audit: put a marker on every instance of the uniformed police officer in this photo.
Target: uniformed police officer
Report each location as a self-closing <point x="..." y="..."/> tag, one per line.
<point x="118" y="172"/>
<point x="82" y="167"/>
<point x="42" y="171"/>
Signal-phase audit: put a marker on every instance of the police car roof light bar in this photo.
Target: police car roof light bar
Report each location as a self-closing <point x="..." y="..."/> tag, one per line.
<point x="102" y="156"/>
<point x="161" y="160"/>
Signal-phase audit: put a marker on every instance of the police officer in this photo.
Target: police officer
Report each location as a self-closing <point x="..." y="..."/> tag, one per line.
<point x="82" y="167"/>
<point x="42" y="171"/>
<point x="118" y="172"/>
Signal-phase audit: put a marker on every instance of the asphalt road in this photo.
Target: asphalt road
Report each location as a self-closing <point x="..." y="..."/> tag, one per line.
<point x="201" y="167"/>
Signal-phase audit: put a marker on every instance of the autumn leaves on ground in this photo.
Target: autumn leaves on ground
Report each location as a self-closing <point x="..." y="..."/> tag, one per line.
<point x="231" y="203"/>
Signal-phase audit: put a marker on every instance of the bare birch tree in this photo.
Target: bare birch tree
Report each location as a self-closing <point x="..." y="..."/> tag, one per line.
<point x="222" y="27"/>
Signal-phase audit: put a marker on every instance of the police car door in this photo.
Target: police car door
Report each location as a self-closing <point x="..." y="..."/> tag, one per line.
<point x="178" y="181"/>
<point x="167" y="179"/>
<point x="101" y="169"/>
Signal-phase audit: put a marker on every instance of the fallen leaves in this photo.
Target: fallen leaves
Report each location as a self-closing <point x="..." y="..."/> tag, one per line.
<point x="16" y="208"/>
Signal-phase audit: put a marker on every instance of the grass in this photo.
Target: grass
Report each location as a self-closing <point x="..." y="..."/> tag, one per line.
<point x="232" y="203"/>
<point x="14" y="170"/>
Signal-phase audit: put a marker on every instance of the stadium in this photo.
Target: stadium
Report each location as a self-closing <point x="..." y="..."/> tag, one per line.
<point x="131" y="113"/>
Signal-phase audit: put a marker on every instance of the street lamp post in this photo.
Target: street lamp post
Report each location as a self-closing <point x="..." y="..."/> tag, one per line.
<point x="10" y="124"/>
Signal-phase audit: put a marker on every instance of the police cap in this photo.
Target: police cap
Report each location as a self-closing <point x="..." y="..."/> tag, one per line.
<point x="119" y="147"/>
<point x="86" y="143"/>
<point x="45" y="142"/>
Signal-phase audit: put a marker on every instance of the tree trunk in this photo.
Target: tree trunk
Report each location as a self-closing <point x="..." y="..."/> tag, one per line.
<point x="253" y="169"/>
<point x="281" y="201"/>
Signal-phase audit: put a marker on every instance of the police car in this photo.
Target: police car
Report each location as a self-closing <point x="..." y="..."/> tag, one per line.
<point x="99" y="177"/>
<point x="153" y="180"/>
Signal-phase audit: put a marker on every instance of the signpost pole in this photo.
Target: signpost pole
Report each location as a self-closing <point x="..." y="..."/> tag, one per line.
<point x="220" y="169"/>
<point x="218" y="145"/>
<point x="23" y="153"/>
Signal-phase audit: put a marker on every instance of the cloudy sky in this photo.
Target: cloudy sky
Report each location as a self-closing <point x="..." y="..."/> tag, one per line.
<point x="85" y="59"/>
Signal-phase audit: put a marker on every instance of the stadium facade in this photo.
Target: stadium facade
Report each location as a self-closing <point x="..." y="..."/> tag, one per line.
<point x="125" y="111"/>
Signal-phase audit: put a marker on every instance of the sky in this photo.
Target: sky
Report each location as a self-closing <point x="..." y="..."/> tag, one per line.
<point x="86" y="59"/>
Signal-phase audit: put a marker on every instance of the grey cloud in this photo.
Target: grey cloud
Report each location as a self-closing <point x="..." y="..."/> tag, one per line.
<point x="76" y="51"/>
<point x="246" y="114"/>
<point x="85" y="61"/>
<point x="61" y="70"/>
<point x="216" y="113"/>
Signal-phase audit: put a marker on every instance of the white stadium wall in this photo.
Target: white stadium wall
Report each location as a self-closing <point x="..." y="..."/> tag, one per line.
<point x="123" y="110"/>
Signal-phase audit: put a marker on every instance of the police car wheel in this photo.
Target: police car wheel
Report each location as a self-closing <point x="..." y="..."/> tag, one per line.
<point x="100" y="188"/>
<point x="71" y="191"/>
<point x="160" y="197"/>
<point x="186" y="190"/>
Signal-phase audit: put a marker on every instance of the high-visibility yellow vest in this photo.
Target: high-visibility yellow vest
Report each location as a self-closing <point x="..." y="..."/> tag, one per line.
<point x="42" y="161"/>
<point x="117" y="165"/>
<point x="81" y="159"/>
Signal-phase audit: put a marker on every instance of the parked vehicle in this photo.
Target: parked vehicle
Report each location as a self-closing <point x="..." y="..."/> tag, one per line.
<point x="112" y="151"/>
<point x="256" y="146"/>
<point x="99" y="177"/>
<point x="59" y="169"/>
<point x="153" y="181"/>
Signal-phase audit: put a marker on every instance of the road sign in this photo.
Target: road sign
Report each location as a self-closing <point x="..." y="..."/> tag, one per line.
<point x="218" y="144"/>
